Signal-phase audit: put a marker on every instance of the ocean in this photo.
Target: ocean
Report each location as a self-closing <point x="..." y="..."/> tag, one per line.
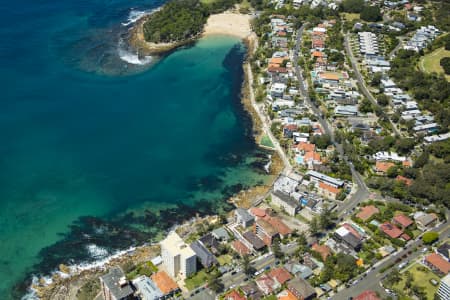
<point x="103" y="149"/>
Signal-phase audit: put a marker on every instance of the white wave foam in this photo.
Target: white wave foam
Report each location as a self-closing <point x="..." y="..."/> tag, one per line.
<point x="135" y="15"/>
<point x="96" y="252"/>
<point x="133" y="58"/>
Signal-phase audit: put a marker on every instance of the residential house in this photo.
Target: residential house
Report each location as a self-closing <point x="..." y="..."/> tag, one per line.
<point x="281" y="275"/>
<point x="346" y="110"/>
<point x="286" y="202"/>
<point x="437" y="263"/>
<point x="240" y="248"/>
<point x="406" y="181"/>
<point x="301" y="289"/>
<point x="444" y="250"/>
<point x="206" y="258"/>
<point x="367" y="295"/>
<point x="299" y="270"/>
<point x="114" y="285"/>
<point x="402" y="221"/>
<point x="381" y="167"/>
<point x="391" y="230"/>
<point x="286" y="295"/>
<point x="267" y="284"/>
<point x="233" y="295"/>
<point x="243" y="217"/>
<point x="254" y="240"/>
<point x="328" y="191"/>
<point x="367" y="212"/>
<point x="282" y="229"/>
<point x="425" y="221"/>
<point x="317" y="177"/>
<point x="348" y="237"/>
<point x="146" y="289"/>
<point x="165" y="284"/>
<point x="265" y="231"/>
<point x="251" y="291"/>
<point x="221" y="234"/>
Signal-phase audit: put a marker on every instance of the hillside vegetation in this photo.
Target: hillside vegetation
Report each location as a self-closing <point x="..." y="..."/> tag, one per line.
<point x="179" y="20"/>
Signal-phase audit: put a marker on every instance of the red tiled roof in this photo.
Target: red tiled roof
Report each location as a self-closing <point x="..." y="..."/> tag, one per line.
<point x="328" y="188"/>
<point x="406" y="163"/>
<point x="438" y="262"/>
<point x="323" y="250"/>
<point x="312" y="155"/>
<point x="391" y="230"/>
<point x="307" y="147"/>
<point x="258" y="212"/>
<point x="367" y="211"/>
<point x="277" y="70"/>
<point x="367" y="295"/>
<point x="240" y="248"/>
<point x="164" y="282"/>
<point x="290" y="126"/>
<point x="234" y="295"/>
<point x="278" y="225"/>
<point x="382" y="166"/>
<point x="403" y="179"/>
<point x="280" y="274"/>
<point x="286" y="295"/>
<point x="352" y="230"/>
<point x="403" y="220"/>
<point x="317" y="54"/>
<point x="405" y="237"/>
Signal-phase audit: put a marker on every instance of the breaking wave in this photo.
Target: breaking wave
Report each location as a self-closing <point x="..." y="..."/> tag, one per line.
<point x="135" y="15"/>
<point x="131" y="57"/>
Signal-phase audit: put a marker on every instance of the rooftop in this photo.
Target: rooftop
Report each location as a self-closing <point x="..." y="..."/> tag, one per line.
<point x="256" y="242"/>
<point x="301" y="287"/>
<point x="146" y="288"/>
<point x="391" y="230"/>
<point x="280" y="274"/>
<point x="116" y="283"/>
<point x="367" y="295"/>
<point x="367" y="212"/>
<point x="323" y="250"/>
<point x="175" y="245"/>
<point x="164" y="282"/>
<point x="438" y="262"/>
<point x="403" y="220"/>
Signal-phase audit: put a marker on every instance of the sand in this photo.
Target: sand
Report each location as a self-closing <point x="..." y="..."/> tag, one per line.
<point x="228" y="23"/>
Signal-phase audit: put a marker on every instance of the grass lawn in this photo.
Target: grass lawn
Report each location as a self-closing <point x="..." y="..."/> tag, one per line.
<point x="197" y="280"/>
<point x="421" y="278"/>
<point x="350" y="16"/>
<point x="224" y="259"/>
<point x="265" y="141"/>
<point x="146" y="268"/>
<point x="430" y="62"/>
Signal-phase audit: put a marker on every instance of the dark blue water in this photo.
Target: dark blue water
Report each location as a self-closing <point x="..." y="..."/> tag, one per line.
<point x="98" y="151"/>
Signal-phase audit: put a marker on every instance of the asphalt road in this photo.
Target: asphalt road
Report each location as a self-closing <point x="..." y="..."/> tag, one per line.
<point x="371" y="280"/>
<point x="362" y="192"/>
<point x="361" y="81"/>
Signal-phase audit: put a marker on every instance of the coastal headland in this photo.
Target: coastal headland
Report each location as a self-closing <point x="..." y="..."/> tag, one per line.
<point x="226" y="23"/>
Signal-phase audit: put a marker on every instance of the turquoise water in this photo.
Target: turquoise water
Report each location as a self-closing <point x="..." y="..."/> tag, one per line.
<point x="92" y="146"/>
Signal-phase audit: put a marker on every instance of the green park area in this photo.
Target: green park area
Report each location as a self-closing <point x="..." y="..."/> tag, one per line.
<point x="265" y="141"/>
<point x="431" y="62"/>
<point x="421" y="277"/>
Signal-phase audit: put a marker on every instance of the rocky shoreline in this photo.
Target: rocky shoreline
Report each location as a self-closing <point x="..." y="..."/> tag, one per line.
<point x="67" y="283"/>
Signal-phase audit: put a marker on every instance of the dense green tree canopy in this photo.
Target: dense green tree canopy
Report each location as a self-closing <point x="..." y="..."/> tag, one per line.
<point x="371" y="14"/>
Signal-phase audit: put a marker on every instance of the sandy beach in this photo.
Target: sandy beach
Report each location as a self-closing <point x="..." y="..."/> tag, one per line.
<point x="228" y="23"/>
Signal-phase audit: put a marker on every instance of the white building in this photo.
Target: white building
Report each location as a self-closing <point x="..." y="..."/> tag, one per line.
<point x="444" y="288"/>
<point x="179" y="259"/>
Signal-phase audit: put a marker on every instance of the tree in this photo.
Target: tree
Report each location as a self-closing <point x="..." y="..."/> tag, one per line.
<point x="302" y="244"/>
<point x="383" y="100"/>
<point x="371" y="14"/>
<point x="365" y="106"/>
<point x="214" y="281"/>
<point x="314" y="226"/>
<point x="248" y="269"/>
<point x="326" y="219"/>
<point x="430" y="237"/>
<point x="352" y="6"/>
<point x="445" y="64"/>
<point x="376" y="79"/>
<point x="393" y="277"/>
<point x="276" y="249"/>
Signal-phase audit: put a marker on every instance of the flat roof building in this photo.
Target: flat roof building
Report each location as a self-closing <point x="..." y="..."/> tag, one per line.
<point x="146" y="289"/>
<point x="114" y="285"/>
<point x="179" y="259"/>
